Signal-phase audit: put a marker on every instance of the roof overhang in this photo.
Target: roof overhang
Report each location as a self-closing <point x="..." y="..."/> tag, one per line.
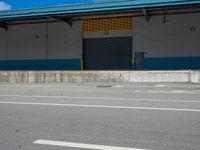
<point x="68" y="13"/>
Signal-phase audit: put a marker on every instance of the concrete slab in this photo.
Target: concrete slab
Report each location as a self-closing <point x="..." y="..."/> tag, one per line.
<point x="181" y="76"/>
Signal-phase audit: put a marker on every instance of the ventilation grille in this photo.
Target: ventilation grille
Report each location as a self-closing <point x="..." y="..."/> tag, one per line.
<point x="107" y="24"/>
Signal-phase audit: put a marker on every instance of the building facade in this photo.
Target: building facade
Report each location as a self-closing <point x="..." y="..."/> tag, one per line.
<point x="160" y="36"/>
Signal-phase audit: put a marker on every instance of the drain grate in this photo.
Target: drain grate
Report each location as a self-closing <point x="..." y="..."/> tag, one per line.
<point x="104" y="86"/>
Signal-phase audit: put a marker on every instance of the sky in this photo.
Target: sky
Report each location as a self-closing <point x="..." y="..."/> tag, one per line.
<point x="13" y="4"/>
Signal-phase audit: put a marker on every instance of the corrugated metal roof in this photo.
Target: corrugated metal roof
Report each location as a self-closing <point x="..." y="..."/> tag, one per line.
<point x="93" y="7"/>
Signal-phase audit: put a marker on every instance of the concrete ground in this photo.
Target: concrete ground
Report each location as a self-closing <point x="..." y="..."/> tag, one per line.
<point x="100" y="116"/>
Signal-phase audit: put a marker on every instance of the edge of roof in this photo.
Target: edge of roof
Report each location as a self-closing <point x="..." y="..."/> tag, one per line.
<point x="92" y="7"/>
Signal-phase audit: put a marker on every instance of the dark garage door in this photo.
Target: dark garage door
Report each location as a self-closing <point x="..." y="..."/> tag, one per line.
<point x="108" y="53"/>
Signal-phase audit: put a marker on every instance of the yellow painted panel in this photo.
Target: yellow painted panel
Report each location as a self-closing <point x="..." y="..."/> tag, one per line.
<point x="107" y="24"/>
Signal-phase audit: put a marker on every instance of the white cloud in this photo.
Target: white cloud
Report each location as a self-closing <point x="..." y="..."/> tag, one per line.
<point x="4" y="6"/>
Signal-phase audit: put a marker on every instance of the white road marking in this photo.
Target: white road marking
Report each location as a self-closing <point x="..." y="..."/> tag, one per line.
<point x="178" y="91"/>
<point x="154" y="92"/>
<point x="102" y="98"/>
<point x="101" y="106"/>
<point x="151" y="91"/>
<point x="133" y="91"/>
<point x="82" y="145"/>
<point x="118" y="86"/>
<point x="137" y="91"/>
<point x="159" y="85"/>
<point x="163" y="92"/>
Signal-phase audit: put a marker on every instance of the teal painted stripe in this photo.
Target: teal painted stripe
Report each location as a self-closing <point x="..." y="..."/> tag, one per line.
<point x="75" y="64"/>
<point x="172" y="63"/>
<point x="52" y="64"/>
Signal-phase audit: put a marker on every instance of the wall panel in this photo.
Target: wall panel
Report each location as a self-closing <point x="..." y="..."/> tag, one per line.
<point x="65" y="42"/>
<point x="26" y="42"/>
<point x="171" y="39"/>
<point x="170" y="45"/>
<point x="41" y="46"/>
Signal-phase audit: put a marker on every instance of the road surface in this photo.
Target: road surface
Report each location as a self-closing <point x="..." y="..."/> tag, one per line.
<point x="100" y="116"/>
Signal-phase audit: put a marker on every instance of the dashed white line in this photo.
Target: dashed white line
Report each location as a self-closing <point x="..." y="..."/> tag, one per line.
<point x="82" y="145"/>
<point x="102" y="106"/>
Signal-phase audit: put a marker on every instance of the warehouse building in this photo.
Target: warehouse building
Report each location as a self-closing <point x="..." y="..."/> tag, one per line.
<point x="112" y="35"/>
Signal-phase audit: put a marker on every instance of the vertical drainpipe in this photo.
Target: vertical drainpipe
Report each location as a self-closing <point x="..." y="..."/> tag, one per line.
<point x="82" y="67"/>
<point x="133" y="62"/>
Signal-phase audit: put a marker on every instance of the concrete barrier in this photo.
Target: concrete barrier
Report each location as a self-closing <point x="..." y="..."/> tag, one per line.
<point x="195" y="77"/>
<point x="98" y="76"/>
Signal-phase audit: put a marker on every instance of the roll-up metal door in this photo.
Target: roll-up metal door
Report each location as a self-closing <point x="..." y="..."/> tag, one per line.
<point x="108" y="53"/>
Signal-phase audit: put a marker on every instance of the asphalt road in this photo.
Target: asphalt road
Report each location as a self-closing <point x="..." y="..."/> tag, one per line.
<point x="100" y="116"/>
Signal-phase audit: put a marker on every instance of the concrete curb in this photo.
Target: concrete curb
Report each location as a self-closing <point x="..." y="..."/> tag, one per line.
<point x="98" y="76"/>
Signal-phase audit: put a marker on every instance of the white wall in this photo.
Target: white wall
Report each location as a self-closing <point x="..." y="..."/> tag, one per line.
<point x="22" y="44"/>
<point x="20" y="41"/>
<point x="64" y="41"/>
<point x="171" y="39"/>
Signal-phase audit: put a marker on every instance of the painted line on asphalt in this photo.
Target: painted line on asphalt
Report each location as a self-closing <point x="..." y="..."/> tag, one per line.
<point x="165" y="92"/>
<point x="82" y="145"/>
<point x="102" y="106"/>
<point x="128" y="91"/>
<point x="118" y="86"/>
<point x="102" y="98"/>
<point x="159" y="85"/>
<point x="178" y="91"/>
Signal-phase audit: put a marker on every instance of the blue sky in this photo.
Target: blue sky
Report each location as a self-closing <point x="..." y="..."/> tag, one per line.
<point x="12" y="4"/>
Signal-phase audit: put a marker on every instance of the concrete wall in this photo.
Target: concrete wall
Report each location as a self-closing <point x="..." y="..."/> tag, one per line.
<point x="98" y="76"/>
<point x="41" y="46"/>
<point x="170" y="45"/>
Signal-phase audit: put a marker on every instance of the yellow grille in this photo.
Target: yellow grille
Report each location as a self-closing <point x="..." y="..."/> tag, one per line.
<point x="107" y="24"/>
